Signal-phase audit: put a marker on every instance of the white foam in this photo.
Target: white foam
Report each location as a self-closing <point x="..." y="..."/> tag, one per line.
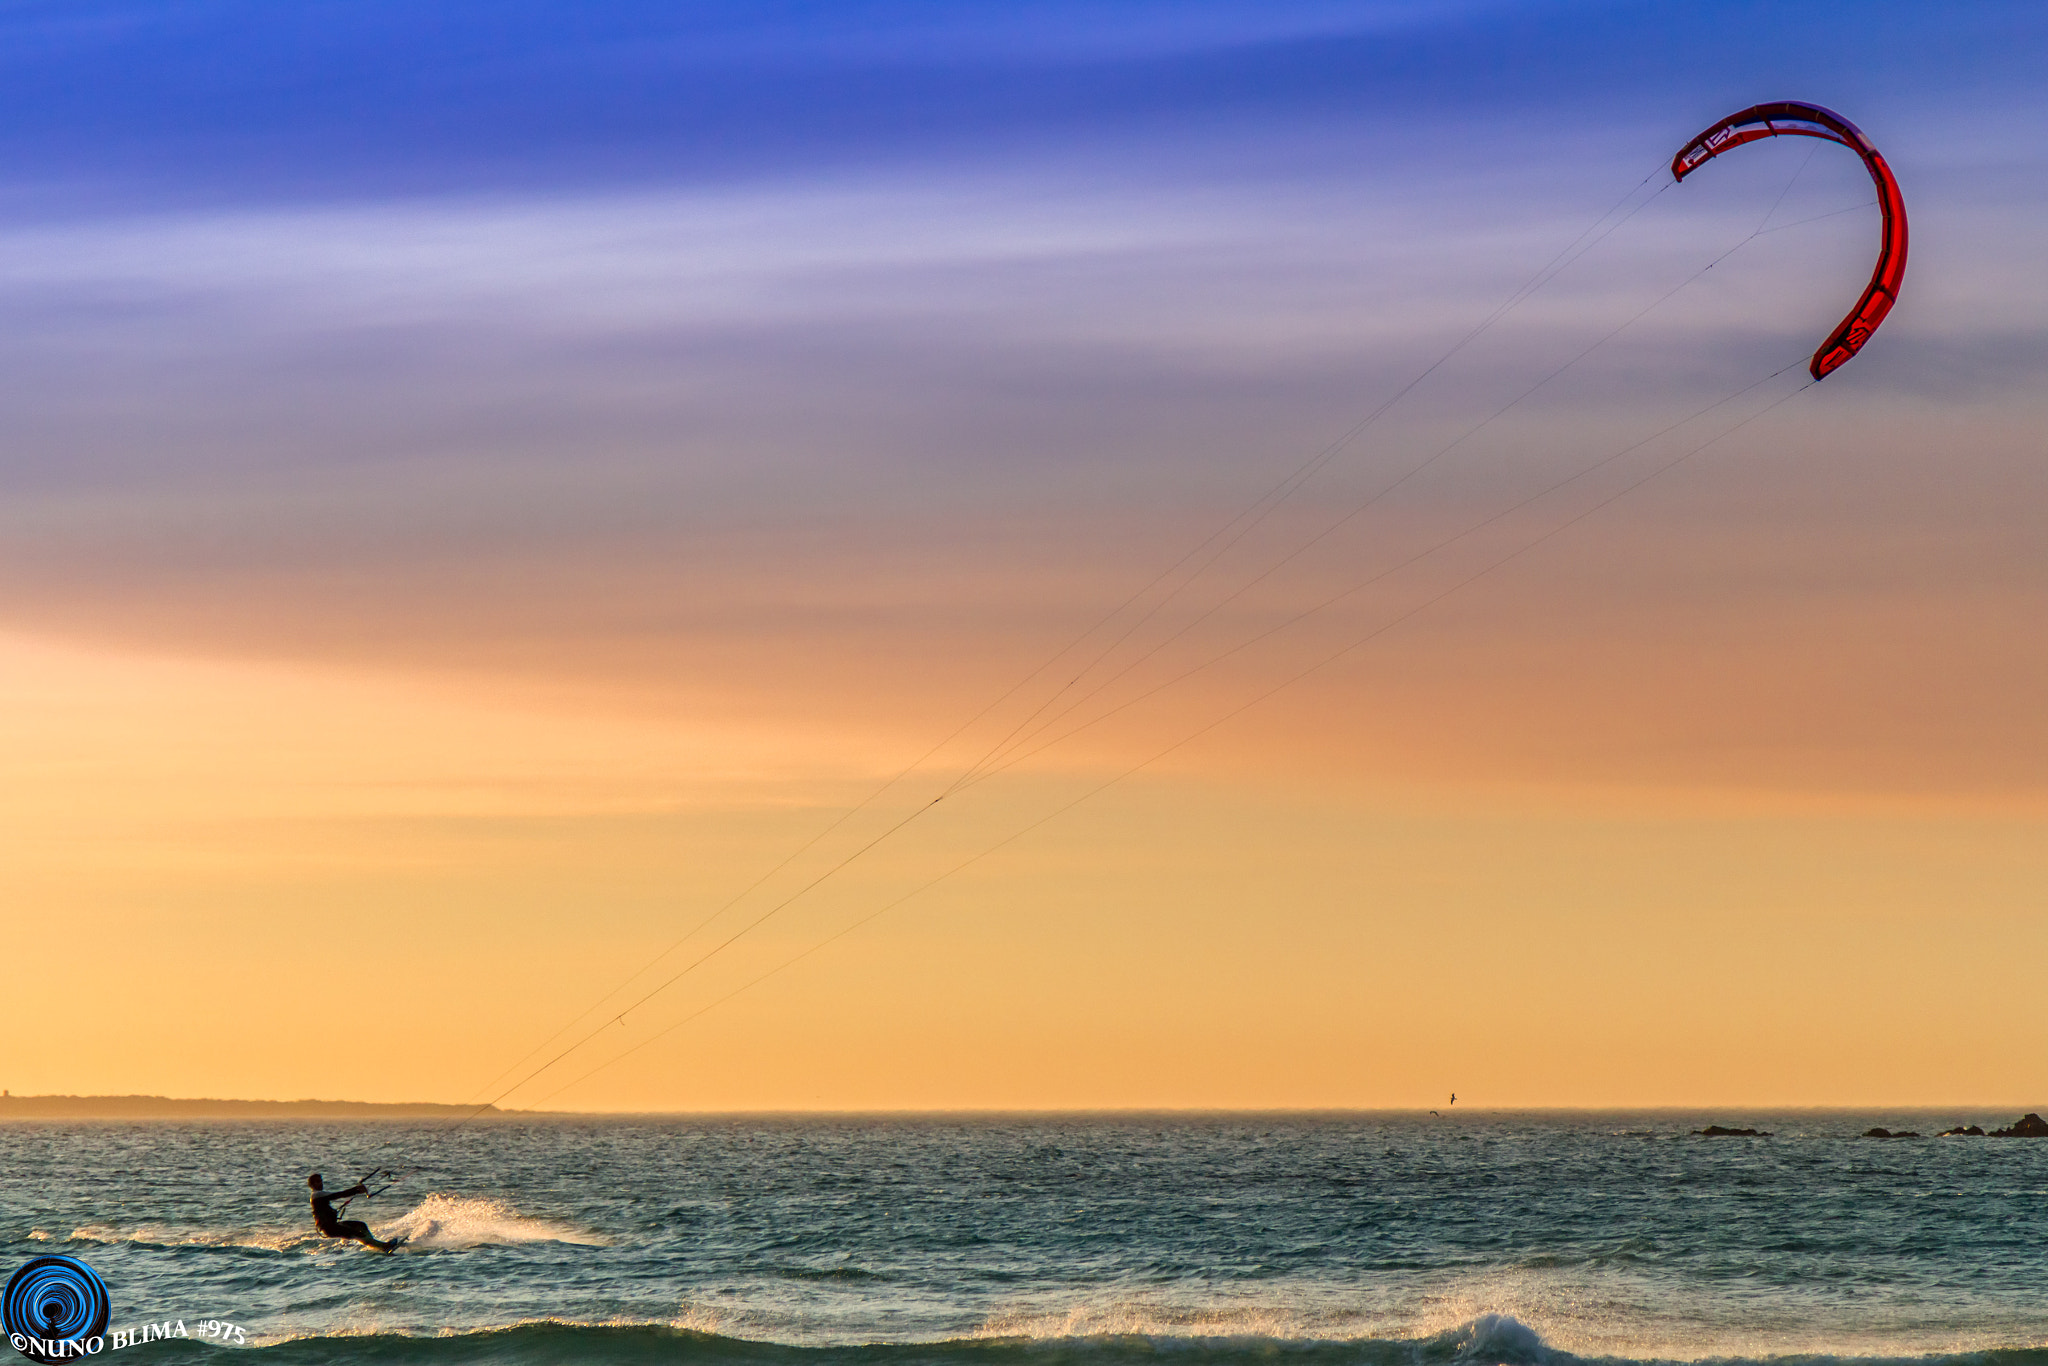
<point x="1139" y="1318"/>
<point x="164" y="1235"/>
<point x="1488" y="1339"/>
<point x="455" y="1221"/>
<point x="1496" y="1338"/>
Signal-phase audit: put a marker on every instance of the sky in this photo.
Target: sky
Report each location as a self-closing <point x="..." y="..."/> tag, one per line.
<point x="1089" y="555"/>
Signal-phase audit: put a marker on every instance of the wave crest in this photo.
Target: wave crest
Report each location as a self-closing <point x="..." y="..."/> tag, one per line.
<point x="1491" y="1338"/>
<point x="168" y="1236"/>
<point x="1497" y="1339"/>
<point x="1143" y="1320"/>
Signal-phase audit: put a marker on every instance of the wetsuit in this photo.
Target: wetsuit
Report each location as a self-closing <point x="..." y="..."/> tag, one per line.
<point x="324" y="1219"/>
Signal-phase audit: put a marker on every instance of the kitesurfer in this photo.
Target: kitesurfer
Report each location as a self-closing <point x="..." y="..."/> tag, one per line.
<point x="332" y="1226"/>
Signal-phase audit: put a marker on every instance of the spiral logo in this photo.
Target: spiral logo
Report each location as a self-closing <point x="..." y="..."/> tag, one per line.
<point x="55" y="1309"/>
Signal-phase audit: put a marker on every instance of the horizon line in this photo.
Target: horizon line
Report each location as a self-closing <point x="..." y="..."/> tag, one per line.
<point x="423" y="1109"/>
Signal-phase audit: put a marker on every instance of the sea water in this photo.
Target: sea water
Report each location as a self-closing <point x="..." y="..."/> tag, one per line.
<point x="1385" y="1239"/>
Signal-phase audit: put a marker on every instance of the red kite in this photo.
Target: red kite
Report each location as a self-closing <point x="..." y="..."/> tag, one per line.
<point x="1812" y="121"/>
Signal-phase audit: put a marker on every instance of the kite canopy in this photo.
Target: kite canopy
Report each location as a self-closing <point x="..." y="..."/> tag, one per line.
<point x="1812" y="121"/>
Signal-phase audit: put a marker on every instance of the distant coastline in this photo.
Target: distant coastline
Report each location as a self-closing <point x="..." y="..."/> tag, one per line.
<point x="166" y="1107"/>
<point x="13" y="1107"/>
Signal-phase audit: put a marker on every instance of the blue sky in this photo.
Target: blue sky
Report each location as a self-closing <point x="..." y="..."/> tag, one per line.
<point x="253" y="103"/>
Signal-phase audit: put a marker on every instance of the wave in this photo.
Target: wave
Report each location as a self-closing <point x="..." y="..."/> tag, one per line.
<point x="1488" y="1340"/>
<point x="173" y="1236"/>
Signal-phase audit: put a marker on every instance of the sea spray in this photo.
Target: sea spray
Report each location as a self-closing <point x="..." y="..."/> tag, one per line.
<point x="452" y="1222"/>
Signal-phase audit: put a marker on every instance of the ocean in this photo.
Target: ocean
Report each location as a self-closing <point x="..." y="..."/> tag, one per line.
<point x="1382" y="1239"/>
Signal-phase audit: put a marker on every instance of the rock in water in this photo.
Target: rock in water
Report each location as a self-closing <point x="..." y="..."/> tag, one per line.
<point x="2029" y="1126"/>
<point x="1961" y="1131"/>
<point x="1716" y="1131"/>
<point x="1890" y="1133"/>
